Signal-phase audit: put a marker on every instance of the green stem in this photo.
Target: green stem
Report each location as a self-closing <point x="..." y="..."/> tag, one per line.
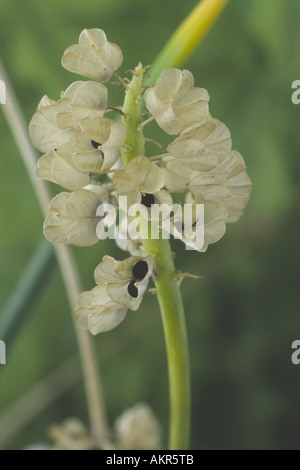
<point x="168" y="293"/>
<point x="171" y="306"/>
<point x="134" y="143"/>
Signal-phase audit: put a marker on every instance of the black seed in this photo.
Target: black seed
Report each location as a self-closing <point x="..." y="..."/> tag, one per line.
<point x="148" y="200"/>
<point x="95" y="144"/>
<point x="139" y="270"/>
<point x="132" y="290"/>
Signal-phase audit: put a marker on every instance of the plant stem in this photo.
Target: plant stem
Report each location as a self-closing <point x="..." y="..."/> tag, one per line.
<point x="132" y="109"/>
<point x="171" y="306"/>
<point x="168" y="293"/>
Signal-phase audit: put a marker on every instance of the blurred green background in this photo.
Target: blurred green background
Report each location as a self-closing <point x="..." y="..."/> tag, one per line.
<point x="243" y="318"/>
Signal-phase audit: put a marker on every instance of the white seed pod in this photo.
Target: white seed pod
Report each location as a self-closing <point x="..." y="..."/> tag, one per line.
<point x="94" y="57"/>
<point x="96" y="145"/>
<point x="126" y="281"/>
<point x="139" y="181"/>
<point x="177" y="175"/>
<point x="136" y="268"/>
<point x="80" y="101"/>
<point x="188" y="224"/>
<point x="227" y="183"/>
<point x="52" y="228"/>
<point x="57" y="166"/>
<point x="72" y="218"/>
<point x="200" y="146"/>
<point x="44" y="133"/>
<point x="71" y="435"/>
<point x="175" y="103"/>
<point x="97" y="312"/>
<point x="138" y="429"/>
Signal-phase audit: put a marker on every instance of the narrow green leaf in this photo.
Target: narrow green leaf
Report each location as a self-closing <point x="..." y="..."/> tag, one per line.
<point x="188" y="35"/>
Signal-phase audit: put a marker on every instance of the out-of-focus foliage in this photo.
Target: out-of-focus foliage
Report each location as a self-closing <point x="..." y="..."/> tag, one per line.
<point x="243" y="318"/>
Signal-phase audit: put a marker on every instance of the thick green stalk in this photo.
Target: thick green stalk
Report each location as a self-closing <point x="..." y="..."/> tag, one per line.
<point x="171" y="306"/>
<point x="134" y="143"/>
<point x="168" y="293"/>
